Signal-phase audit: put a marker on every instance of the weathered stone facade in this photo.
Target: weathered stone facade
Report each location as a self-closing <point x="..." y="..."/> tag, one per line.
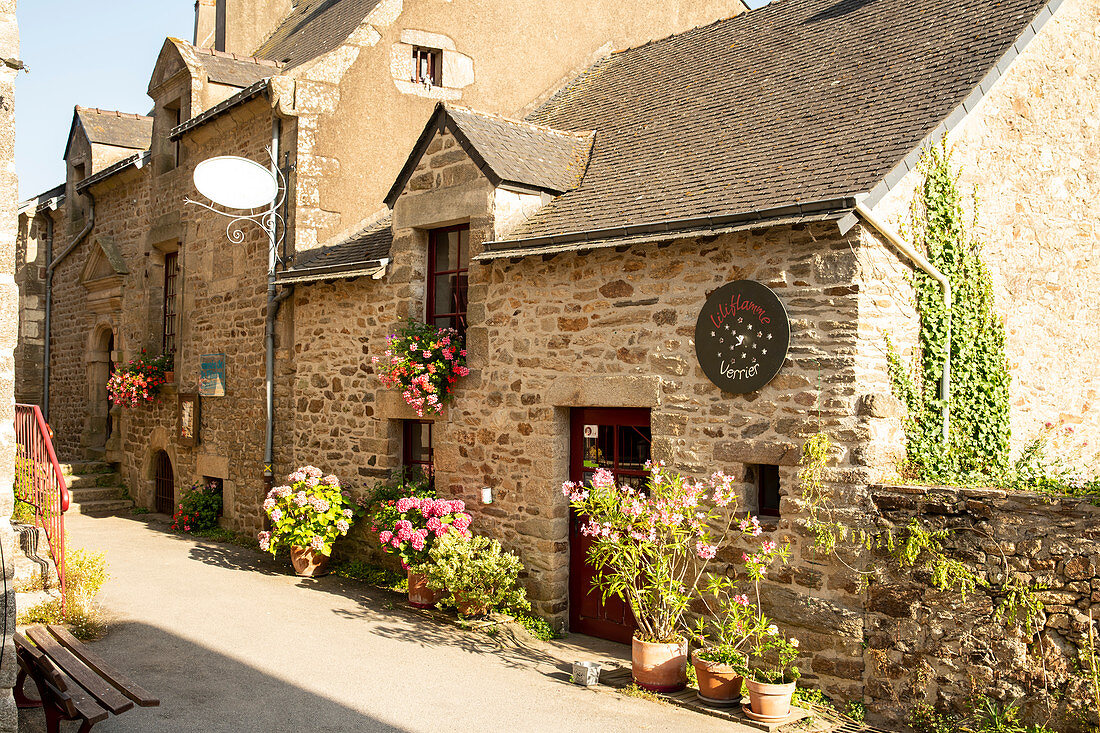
<point x="1030" y="153"/>
<point x="9" y="334"/>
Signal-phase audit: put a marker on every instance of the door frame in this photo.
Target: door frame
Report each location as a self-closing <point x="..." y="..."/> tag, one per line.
<point x="578" y="417"/>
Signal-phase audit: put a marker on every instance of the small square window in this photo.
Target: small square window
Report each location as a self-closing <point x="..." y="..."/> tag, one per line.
<point x="416" y="447"/>
<point x="767" y="484"/>
<point x="427" y="66"/>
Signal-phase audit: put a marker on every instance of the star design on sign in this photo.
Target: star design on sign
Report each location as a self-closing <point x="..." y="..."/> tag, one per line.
<point x="727" y="326"/>
<point x="750" y="326"/>
<point x="769" y="336"/>
<point x="721" y="341"/>
<point x="739" y="320"/>
<point x="712" y="333"/>
<point x="743" y="355"/>
<point x="763" y="351"/>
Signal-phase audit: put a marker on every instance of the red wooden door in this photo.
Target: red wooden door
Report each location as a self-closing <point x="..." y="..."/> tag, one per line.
<point x="617" y="439"/>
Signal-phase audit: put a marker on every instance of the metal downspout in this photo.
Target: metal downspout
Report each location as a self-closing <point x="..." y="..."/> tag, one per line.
<point x="920" y="261"/>
<point x="273" y="302"/>
<point x="53" y="263"/>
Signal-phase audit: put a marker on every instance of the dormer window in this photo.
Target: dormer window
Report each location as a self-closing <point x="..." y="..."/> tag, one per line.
<point x="427" y="66"/>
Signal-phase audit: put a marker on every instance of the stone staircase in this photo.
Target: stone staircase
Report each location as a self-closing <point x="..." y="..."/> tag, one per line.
<point x="95" y="489"/>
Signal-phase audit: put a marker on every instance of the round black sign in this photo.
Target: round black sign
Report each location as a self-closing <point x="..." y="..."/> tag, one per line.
<point x="742" y="335"/>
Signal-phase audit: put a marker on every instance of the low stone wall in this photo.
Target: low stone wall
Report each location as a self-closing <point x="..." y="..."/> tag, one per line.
<point x="924" y="645"/>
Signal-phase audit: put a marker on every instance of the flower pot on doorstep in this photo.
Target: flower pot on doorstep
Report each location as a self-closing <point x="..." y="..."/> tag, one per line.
<point x="659" y="667"/>
<point x="466" y="609"/>
<point x="769" y="702"/>
<point x="420" y="595"/>
<point x="307" y="562"/>
<point x="719" y="684"/>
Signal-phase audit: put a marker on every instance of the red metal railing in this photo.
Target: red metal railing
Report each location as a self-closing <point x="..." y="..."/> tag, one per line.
<point x="40" y="483"/>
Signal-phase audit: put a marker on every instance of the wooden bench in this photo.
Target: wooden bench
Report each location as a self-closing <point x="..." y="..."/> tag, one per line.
<point x="73" y="682"/>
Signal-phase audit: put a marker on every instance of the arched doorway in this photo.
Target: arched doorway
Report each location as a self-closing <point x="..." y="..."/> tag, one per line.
<point x="164" y="481"/>
<point x="99" y="359"/>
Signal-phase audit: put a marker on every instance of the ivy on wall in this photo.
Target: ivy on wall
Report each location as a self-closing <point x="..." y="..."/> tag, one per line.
<point x="979" y="437"/>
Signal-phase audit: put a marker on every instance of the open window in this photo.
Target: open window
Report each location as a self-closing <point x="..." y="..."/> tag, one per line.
<point x="767" y="487"/>
<point x="416" y="448"/>
<point x="427" y="66"/>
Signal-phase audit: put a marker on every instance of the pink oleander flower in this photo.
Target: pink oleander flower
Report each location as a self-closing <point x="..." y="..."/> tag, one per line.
<point x="741" y="600"/>
<point x="705" y="551"/>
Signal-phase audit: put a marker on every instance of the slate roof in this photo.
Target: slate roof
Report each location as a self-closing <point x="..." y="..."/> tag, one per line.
<point x="359" y="254"/>
<point x="121" y="129"/>
<point x="313" y="28"/>
<point x="800" y="101"/>
<point x="233" y="70"/>
<point x="507" y="151"/>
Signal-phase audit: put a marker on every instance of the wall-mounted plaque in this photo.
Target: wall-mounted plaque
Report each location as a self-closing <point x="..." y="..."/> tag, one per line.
<point x="212" y="375"/>
<point x="190" y="419"/>
<point x="742" y="336"/>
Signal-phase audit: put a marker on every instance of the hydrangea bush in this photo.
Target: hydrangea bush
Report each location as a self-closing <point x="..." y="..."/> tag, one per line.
<point x="409" y="526"/>
<point x="652" y="546"/>
<point x="424" y="362"/>
<point x="311" y="512"/>
<point x="139" y="380"/>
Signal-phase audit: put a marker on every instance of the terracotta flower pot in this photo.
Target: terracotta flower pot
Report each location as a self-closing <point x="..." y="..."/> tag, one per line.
<point x="467" y="609"/>
<point x="659" y="667"/>
<point x="307" y="562"/>
<point x="420" y="595"/>
<point x="719" y="684"/>
<point x="768" y="702"/>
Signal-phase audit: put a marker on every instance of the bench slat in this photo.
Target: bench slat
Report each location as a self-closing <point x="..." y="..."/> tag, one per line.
<point x="93" y="660"/>
<point x="80" y="673"/>
<point x="77" y="704"/>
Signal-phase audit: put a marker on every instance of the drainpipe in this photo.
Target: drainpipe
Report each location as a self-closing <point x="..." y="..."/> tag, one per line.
<point x="273" y="302"/>
<point x="53" y="263"/>
<point x="920" y="261"/>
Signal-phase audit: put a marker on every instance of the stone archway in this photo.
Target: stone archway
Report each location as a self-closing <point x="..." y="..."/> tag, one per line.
<point x="158" y="442"/>
<point x="100" y="357"/>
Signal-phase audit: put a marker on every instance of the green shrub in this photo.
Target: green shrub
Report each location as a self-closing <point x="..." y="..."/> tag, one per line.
<point x="856" y="710"/>
<point x="374" y="575"/>
<point x="85" y="574"/>
<point x="199" y="509"/>
<point x="476" y="570"/>
<point x="538" y="627"/>
<point x="22" y="512"/>
<point x="924" y="719"/>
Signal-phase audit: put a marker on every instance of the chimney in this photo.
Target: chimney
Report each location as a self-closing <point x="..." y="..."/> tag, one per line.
<point x="208" y="13"/>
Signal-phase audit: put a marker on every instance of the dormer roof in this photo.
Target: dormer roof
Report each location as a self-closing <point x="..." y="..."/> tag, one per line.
<point x="509" y="152"/>
<point x="313" y="28"/>
<point x="108" y="127"/>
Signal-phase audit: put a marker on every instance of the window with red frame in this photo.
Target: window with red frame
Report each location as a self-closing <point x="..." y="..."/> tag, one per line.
<point x="416" y="447"/>
<point x="171" y="281"/>
<point x="448" y="263"/>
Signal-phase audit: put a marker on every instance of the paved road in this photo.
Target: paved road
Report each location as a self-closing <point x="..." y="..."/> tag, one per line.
<point x="231" y="642"/>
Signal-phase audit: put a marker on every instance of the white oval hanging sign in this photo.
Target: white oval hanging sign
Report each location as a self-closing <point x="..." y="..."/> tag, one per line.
<point x="236" y="183"/>
<point x="742" y="336"/>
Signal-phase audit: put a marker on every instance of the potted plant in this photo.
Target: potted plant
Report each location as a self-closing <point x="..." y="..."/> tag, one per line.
<point x="723" y="634"/>
<point x="199" y="509"/>
<point x="651" y="547"/>
<point x="477" y="573"/>
<point x="409" y="528"/>
<point x="424" y="362"/>
<point x="307" y="516"/>
<point x="139" y="380"/>
<point x="771" y="675"/>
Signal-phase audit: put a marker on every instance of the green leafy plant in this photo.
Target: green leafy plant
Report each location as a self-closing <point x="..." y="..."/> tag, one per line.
<point x="476" y="573"/>
<point x="771" y="657"/>
<point x="856" y="710"/>
<point x="86" y="572"/>
<point x="972" y="332"/>
<point x="538" y="627"/>
<point x="198" y="509"/>
<point x="372" y="574"/>
<point x="424" y="362"/>
<point x="311" y="512"/>
<point x="924" y="719"/>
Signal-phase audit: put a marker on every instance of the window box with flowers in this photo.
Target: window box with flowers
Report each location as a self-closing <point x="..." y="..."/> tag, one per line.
<point x="138" y="381"/>
<point x="424" y="362"/>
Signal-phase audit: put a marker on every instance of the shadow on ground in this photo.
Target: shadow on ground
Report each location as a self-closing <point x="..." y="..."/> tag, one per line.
<point x="201" y="689"/>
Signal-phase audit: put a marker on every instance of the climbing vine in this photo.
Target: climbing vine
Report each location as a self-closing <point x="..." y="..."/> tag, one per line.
<point x="978" y="443"/>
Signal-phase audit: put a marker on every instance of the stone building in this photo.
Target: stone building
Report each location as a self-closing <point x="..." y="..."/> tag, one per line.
<point x="587" y="209"/>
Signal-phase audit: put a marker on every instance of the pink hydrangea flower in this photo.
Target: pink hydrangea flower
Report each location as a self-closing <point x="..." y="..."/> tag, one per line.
<point x="385" y="536"/>
<point x="317" y="543"/>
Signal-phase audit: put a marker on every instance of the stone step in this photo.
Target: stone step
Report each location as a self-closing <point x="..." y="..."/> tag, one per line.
<point x="89" y="480"/>
<point x="95" y="493"/>
<point x="95" y="454"/>
<point x="73" y="468"/>
<point x="101" y="507"/>
<point x="29" y="599"/>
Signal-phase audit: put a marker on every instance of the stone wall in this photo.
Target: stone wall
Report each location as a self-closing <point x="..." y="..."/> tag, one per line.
<point x="1030" y="153"/>
<point x="929" y="646"/>
<point x="9" y="322"/>
<point x="30" y="278"/>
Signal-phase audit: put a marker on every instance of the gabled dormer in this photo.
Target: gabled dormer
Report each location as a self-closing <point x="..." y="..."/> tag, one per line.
<point x="187" y="81"/>
<point x="103" y="275"/>
<point x="521" y="164"/>
<point x="98" y="139"/>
